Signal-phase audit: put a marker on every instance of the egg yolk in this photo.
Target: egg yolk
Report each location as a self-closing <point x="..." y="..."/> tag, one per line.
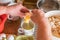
<point x="27" y="17"/>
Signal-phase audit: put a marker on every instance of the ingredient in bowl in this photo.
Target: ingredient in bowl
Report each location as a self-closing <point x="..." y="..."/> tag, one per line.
<point x="28" y="26"/>
<point x="27" y="17"/>
<point x="55" y="25"/>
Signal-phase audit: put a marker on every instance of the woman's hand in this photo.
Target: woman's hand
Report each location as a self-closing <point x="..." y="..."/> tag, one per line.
<point x="37" y="16"/>
<point x="17" y="10"/>
<point x="14" y="10"/>
<point x="43" y="29"/>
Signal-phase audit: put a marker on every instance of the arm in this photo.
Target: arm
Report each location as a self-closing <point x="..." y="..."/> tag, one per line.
<point x="44" y="29"/>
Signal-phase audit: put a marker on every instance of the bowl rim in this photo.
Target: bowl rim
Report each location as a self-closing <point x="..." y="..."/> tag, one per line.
<point x="52" y="13"/>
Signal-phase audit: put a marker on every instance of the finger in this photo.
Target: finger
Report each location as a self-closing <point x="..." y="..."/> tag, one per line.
<point x="38" y="12"/>
<point x="24" y="10"/>
<point x="34" y="12"/>
<point x="21" y="15"/>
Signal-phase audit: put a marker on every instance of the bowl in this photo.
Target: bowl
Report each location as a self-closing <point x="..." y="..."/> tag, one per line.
<point x="53" y="13"/>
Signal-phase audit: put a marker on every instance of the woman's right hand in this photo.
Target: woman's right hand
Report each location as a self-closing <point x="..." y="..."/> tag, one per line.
<point x="37" y="16"/>
<point x="43" y="29"/>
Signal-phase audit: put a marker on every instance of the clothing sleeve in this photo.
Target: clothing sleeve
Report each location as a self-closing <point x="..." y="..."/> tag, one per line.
<point x="3" y="18"/>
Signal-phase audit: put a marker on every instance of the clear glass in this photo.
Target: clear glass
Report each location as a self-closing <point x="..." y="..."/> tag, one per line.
<point x="28" y="27"/>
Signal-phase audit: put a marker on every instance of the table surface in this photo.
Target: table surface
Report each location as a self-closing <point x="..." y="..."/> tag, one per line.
<point x="11" y="27"/>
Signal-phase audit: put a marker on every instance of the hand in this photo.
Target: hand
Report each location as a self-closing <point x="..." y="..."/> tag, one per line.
<point x="37" y="16"/>
<point x="17" y="10"/>
<point x="43" y="29"/>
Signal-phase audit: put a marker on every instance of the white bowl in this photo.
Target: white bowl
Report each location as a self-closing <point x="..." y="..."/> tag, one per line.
<point x="53" y="13"/>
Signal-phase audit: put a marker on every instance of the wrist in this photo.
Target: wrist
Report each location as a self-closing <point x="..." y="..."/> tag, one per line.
<point x="40" y="21"/>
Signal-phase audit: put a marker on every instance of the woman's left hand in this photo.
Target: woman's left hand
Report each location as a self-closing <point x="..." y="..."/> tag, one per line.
<point x="17" y="10"/>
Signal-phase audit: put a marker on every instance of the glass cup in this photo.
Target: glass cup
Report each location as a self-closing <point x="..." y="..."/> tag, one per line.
<point x="28" y="27"/>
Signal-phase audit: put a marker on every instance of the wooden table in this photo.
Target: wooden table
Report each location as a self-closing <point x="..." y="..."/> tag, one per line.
<point x="11" y="27"/>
